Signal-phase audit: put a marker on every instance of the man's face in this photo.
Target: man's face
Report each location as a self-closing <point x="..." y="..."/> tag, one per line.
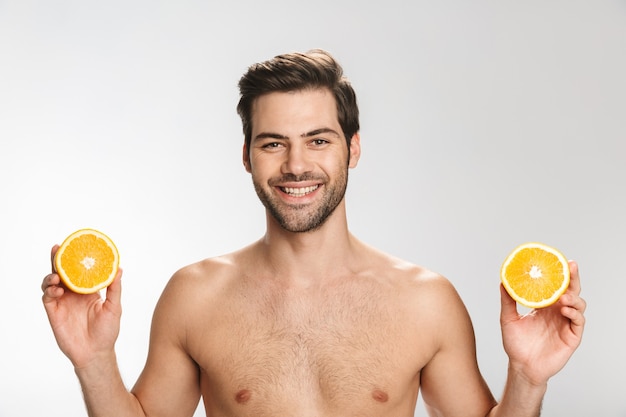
<point x="298" y="157"/>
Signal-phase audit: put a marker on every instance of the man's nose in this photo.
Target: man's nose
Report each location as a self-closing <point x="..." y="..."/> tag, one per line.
<point x="297" y="161"/>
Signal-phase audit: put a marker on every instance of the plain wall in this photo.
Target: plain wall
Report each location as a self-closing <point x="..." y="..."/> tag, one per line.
<point x="485" y="124"/>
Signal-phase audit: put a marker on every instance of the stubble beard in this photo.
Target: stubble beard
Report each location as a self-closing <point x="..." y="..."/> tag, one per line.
<point x="301" y="218"/>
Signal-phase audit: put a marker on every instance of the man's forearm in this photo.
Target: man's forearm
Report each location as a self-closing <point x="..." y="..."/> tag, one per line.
<point x="104" y="391"/>
<point x="521" y="398"/>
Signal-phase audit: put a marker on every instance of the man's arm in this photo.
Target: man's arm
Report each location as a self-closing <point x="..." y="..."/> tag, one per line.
<point x="451" y="383"/>
<point x="104" y="391"/>
<point x="170" y="382"/>
<point x="539" y="345"/>
<point x="86" y="328"/>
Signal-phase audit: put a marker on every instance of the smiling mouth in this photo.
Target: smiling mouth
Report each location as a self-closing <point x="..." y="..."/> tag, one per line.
<point x="299" y="191"/>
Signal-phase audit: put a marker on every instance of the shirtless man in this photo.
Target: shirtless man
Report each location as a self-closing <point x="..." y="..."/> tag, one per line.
<point x="308" y="321"/>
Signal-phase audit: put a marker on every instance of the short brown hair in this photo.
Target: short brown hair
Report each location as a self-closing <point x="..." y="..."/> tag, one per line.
<point x="294" y="72"/>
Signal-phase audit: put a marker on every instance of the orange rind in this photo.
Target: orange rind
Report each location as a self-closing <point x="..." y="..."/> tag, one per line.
<point x="535" y="275"/>
<point x="87" y="261"/>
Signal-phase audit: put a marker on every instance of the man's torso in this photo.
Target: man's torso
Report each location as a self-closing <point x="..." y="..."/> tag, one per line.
<point x="352" y="347"/>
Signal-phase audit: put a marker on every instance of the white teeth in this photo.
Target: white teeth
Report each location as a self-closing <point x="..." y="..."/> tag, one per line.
<point x="299" y="192"/>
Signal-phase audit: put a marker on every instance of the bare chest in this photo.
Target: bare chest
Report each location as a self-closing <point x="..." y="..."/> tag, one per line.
<point x="349" y="353"/>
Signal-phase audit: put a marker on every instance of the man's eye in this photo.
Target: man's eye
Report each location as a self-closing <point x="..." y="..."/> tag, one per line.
<point x="319" y="142"/>
<point x="271" y="145"/>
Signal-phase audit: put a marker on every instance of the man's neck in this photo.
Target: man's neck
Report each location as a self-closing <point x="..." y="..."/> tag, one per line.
<point x="307" y="258"/>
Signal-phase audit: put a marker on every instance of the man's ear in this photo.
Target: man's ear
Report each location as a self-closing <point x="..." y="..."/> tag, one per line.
<point x="246" y="158"/>
<point x="355" y="150"/>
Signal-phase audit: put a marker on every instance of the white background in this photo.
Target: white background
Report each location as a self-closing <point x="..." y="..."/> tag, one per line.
<point x="485" y="124"/>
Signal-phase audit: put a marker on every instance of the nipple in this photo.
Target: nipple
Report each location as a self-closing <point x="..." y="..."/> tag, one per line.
<point x="380" y="396"/>
<point x="243" y="396"/>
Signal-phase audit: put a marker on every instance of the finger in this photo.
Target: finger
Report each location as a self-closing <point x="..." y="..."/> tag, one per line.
<point x="574" y="280"/>
<point x="50" y="280"/>
<point x="53" y="252"/>
<point x="576" y="315"/>
<point x="52" y="294"/>
<point x="577" y="319"/>
<point x="114" y="291"/>
<point x="508" y="310"/>
<point x="51" y="288"/>
<point x="573" y="301"/>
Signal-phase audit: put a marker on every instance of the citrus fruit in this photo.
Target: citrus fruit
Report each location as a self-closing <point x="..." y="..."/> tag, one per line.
<point x="87" y="261"/>
<point x="535" y="275"/>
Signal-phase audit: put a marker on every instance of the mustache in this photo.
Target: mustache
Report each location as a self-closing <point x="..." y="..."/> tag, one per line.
<point x="307" y="176"/>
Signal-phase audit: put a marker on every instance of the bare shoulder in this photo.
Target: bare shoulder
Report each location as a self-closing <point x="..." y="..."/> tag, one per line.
<point x="413" y="279"/>
<point x="200" y="282"/>
<point x="423" y="304"/>
<point x="169" y="383"/>
<point x="203" y="273"/>
<point x="429" y="299"/>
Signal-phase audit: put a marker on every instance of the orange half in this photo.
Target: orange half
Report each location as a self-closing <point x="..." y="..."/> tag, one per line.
<point x="87" y="261"/>
<point x="535" y="275"/>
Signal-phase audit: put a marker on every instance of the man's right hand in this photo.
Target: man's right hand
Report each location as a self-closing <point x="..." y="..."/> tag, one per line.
<point x="84" y="325"/>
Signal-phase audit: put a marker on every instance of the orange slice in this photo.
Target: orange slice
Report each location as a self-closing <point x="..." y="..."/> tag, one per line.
<point x="535" y="275"/>
<point x="87" y="261"/>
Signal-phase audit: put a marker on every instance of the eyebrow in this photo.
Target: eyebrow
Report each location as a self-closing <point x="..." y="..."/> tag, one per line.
<point x="270" y="135"/>
<point x="319" y="132"/>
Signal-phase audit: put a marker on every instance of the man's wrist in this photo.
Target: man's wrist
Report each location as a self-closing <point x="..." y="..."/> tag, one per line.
<point x="522" y="397"/>
<point x="525" y="381"/>
<point x="101" y="363"/>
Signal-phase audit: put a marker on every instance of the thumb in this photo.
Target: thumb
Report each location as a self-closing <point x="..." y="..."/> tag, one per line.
<point x="114" y="291"/>
<point x="53" y="253"/>
<point x="508" y="309"/>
